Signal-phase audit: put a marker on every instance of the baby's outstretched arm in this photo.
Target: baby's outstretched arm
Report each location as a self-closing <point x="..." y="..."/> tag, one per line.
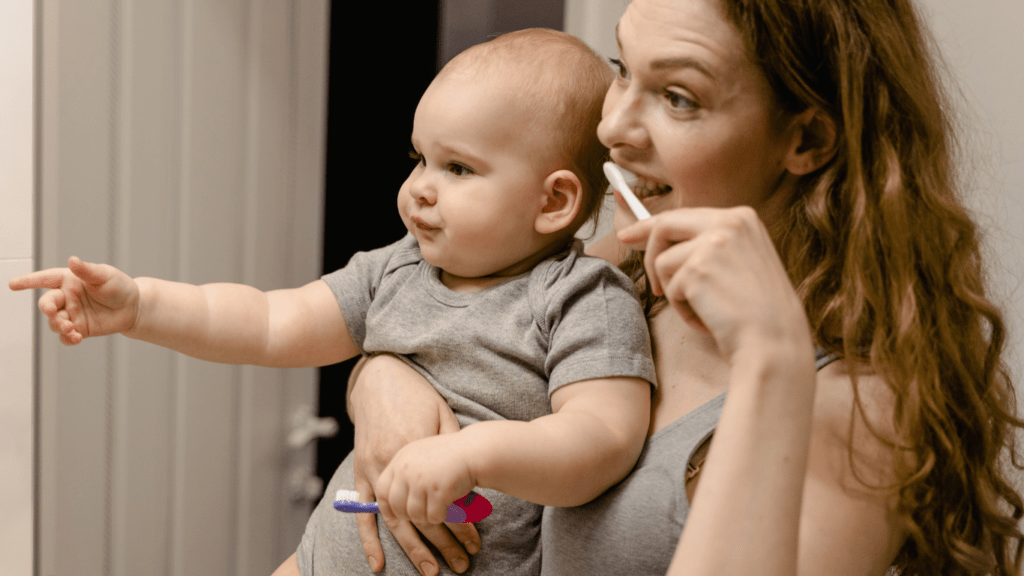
<point x="228" y="323"/>
<point x="589" y="443"/>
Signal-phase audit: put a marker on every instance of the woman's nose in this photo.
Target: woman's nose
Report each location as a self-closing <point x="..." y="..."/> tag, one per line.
<point x="622" y="120"/>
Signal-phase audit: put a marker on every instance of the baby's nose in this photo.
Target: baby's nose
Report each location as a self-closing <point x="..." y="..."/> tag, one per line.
<point x="423" y="191"/>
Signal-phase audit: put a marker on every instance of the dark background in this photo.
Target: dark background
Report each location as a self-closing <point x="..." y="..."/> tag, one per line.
<point x="382" y="58"/>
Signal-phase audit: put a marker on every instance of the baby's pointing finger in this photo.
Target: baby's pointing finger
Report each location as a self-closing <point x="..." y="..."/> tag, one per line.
<point x="51" y="278"/>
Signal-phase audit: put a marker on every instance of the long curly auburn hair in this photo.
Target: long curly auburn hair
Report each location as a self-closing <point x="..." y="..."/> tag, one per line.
<point x="888" y="263"/>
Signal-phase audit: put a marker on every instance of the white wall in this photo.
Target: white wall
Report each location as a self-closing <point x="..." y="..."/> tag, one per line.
<point x="180" y="139"/>
<point x="981" y="42"/>
<point x="16" y="320"/>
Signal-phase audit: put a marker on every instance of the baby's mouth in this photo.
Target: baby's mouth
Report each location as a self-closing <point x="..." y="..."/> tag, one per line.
<point x="644" y="188"/>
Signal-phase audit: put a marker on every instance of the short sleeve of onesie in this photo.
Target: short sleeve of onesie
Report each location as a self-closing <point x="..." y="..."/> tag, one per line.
<point x="594" y="321"/>
<point x="356" y="285"/>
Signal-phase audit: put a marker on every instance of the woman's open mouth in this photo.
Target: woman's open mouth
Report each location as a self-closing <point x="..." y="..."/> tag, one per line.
<point x="644" y="188"/>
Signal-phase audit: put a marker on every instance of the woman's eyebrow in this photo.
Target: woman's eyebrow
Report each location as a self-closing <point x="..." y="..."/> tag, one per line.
<point x="666" y="63"/>
<point x="682" y="62"/>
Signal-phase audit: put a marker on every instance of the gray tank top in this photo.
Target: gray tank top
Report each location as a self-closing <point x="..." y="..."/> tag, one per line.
<point x="635" y="526"/>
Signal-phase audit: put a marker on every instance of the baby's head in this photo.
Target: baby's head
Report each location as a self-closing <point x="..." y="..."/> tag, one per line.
<point x="510" y="165"/>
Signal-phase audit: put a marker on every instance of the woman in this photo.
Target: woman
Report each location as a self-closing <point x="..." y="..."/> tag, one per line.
<point x="797" y="157"/>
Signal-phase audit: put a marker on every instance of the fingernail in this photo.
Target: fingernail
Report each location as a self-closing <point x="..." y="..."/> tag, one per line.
<point x="471" y="546"/>
<point x="459" y="564"/>
<point x="428" y="569"/>
<point x="373" y="563"/>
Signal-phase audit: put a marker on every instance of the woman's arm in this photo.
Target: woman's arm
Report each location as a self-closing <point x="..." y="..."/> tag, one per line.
<point x="391" y="405"/>
<point x="841" y="525"/>
<point x="776" y="495"/>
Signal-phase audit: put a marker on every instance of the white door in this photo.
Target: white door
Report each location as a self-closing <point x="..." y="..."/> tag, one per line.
<point x="180" y="139"/>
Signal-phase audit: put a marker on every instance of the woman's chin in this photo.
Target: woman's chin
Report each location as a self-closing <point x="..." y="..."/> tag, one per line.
<point x="623" y="219"/>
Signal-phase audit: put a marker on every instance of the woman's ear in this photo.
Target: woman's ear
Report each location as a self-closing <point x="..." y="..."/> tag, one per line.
<point x="815" y="140"/>
<point x="563" y="197"/>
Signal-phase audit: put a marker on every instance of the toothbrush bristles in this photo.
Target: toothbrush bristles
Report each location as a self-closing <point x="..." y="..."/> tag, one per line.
<point x="346" y="495"/>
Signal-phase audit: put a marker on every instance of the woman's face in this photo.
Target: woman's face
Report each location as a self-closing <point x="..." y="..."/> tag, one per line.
<point x="691" y="115"/>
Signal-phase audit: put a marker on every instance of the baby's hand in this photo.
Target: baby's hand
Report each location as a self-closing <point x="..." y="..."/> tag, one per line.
<point x="423" y="478"/>
<point x="85" y="299"/>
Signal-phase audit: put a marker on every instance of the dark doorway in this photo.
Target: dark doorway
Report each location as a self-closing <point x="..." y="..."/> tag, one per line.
<point x="382" y="58"/>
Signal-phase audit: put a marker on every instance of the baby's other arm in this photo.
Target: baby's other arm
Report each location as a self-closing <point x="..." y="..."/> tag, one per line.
<point x="589" y="443"/>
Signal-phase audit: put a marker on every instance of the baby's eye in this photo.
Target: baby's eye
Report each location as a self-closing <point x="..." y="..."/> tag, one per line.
<point x="678" y="101"/>
<point x="622" y="72"/>
<point x="459" y="169"/>
<point x="417" y="157"/>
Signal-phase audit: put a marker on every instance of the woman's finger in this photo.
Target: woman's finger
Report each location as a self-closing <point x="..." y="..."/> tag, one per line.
<point x="409" y="539"/>
<point x="675" y="293"/>
<point x="662" y="266"/>
<point x="637" y="233"/>
<point x="367" y="526"/>
<point x="442" y="537"/>
<point x="468" y="535"/>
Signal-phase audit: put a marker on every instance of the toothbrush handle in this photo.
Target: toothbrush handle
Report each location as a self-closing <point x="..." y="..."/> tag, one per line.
<point x="349" y="506"/>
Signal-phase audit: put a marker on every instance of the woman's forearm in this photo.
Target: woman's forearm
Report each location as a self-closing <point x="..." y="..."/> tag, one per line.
<point x="746" y="515"/>
<point x="353" y="378"/>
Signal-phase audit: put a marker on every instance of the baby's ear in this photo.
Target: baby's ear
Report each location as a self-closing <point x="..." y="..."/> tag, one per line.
<point x="563" y="196"/>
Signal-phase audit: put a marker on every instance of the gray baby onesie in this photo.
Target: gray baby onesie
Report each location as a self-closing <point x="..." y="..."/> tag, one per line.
<point x="493" y="354"/>
<point x="634" y="527"/>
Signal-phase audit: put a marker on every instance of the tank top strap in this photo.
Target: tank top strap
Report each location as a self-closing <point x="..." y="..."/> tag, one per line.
<point x="823" y="358"/>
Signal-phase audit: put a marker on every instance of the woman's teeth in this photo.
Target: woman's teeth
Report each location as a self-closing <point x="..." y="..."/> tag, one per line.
<point x="645" y="188"/>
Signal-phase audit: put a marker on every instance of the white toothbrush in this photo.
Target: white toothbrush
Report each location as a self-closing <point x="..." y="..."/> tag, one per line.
<point x="616" y="177"/>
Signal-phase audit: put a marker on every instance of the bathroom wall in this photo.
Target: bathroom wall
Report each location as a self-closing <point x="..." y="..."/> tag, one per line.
<point x="17" y="179"/>
<point x="181" y="139"/>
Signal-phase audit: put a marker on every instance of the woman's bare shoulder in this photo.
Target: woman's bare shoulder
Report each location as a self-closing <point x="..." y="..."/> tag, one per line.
<point x="851" y="489"/>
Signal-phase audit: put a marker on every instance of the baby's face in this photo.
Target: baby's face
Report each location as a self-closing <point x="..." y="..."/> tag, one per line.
<point x="473" y="198"/>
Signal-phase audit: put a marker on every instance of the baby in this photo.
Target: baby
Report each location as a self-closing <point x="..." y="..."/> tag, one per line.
<point x="542" y="353"/>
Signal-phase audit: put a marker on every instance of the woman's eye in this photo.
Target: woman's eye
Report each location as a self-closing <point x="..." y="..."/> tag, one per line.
<point x="417" y="157"/>
<point x="622" y="72"/>
<point x="678" y="101"/>
<point x="459" y="169"/>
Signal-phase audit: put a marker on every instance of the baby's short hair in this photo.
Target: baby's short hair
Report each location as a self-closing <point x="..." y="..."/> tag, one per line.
<point x="565" y="81"/>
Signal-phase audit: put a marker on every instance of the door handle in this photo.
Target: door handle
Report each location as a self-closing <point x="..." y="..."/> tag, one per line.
<point x="307" y="427"/>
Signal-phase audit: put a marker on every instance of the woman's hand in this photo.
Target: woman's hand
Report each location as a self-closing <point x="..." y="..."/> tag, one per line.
<point x="719" y="269"/>
<point x="85" y="300"/>
<point x="392" y="405"/>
